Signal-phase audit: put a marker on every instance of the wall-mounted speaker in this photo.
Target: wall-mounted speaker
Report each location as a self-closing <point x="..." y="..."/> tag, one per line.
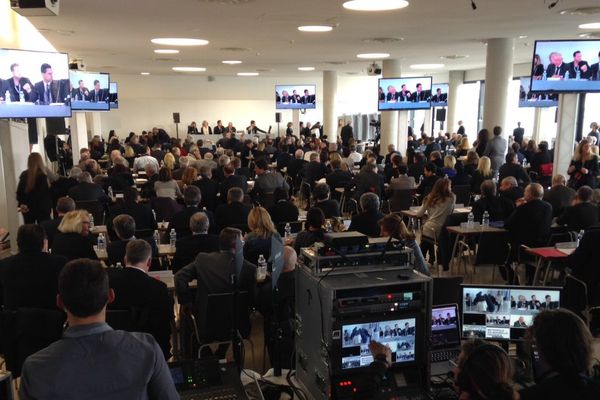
<point x="176" y="118"/>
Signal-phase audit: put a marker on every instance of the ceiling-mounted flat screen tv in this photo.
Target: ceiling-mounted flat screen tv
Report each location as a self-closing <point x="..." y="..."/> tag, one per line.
<point x="404" y="93"/>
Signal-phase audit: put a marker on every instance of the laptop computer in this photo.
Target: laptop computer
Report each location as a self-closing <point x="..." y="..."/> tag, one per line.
<point x="445" y="338"/>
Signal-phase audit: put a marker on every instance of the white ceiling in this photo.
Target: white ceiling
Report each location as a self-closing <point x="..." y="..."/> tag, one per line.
<point x="114" y="35"/>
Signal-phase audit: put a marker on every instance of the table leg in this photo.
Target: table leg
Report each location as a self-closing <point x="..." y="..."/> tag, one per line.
<point x="537" y="271"/>
<point x="548" y="267"/>
<point x="451" y="263"/>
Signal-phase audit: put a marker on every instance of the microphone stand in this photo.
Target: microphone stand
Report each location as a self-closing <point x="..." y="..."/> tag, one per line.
<point x="276" y="333"/>
<point x="236" y="340"/>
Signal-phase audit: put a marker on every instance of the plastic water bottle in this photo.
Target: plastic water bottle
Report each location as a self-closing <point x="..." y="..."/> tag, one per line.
<point x="579" y="236"/>
<point x="154" y="214"/>
<point x="420" y="179"/>
<point x="566" y="75"/>
<point x="544" y="77"/>
<point x="172" y="238"/>
<point x="156" y="237"/>
<point x="110" y="192"/>
<point x="485" y="221"/>
<point x="119" y="265"/>
<point x="91" y="221"/>
<point x="7" y="97"/>
<point x="261" y="271"/>
<point x="328" y="226"/>
<point x="101" y="242"/>
<point x="524" y="162"/>
<point x="578" y="75"/>
<point x="21" y="97"/>
<point x="470" y="220"/>
<point x="288" y="230"/>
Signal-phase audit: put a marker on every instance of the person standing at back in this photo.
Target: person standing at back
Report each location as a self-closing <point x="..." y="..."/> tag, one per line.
<point x="518" y="134"/>
<point x="33" y="191"/>
<point x="496" y="149"/>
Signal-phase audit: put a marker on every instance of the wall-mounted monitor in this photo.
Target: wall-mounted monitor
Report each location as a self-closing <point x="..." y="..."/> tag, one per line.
<point x="566" y="66"/>
<point x="527" y="98"/>
<point x="34" y="84"/>
<point x="289" y="97"/>
<point x="439" y="95"/>
<point x="404" y="93"/>
<point x="114" y="95"/>
<point x="90" y="91"/>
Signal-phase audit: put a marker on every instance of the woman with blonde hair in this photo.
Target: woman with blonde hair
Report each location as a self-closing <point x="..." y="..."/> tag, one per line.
<point x="73" y="239"/>
<point x="169" y="161"/>
<point x="471" y="162"/>
<point x="33" y="191"/>
<point x="584" y="166"/>
<point x="482" y="173"/>
<point x="449" y="164"/>
<point x="392" y="226"/>
<point x="258" y="240"/>
<point x="463" y="147"/>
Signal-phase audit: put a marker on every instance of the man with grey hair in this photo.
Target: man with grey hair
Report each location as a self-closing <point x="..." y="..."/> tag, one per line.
<point x="510" y="189"/>
<point x="560" y="195"/>
<point x="235" y="212"/>
<point x="144" y="159"/>
<point x="295" y="166"/>
<point x="200" y="241"/>
<point x="147" y="190"/>
<point x="368" y="180"/>
<point x="208" y="187"/>
<point x="367" y="221"/>
<point x="218" y="173"/>
<point x="192" y="198"/>
<point x="124" y="227"/>
<point x="86" y="190"/>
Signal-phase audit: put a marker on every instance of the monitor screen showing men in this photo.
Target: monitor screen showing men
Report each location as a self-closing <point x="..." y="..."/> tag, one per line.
<point x="90" y="91"/>
<point x="114" y="95"/>
<point x="439" y="95"/>
<point x="34" y="84"/>
<point x="404" y="93"/>
<point x="566" y="66"/>
<point x="527" y="98"/>
<point x="295" y="97"/>
<point x="502" y="312"/>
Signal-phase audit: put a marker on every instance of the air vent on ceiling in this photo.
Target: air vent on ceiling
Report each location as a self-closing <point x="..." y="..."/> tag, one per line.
<point x="336" y="62"/>
<point x="581" y="11"/>
<point x="227" y="2"/>
<point x="167" y="59"/>
<point x="593" y="35"/>
<point x="234" y="49"/>
<point x="383" y="40"/>
<point x="454" y="57"/>
<point x="62" y="32"/>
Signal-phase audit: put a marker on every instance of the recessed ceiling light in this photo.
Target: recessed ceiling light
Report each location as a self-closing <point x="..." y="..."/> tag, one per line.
<point x="231" y="62"/>
<point x="375" y="56"/>
<point x="189" y="69"/>
<point x="166" y="51"/>
<point x="522" y="36"/>
<point x="592" y="25"/>
<point x="375" y="5"/>
<point x="144" y="73"/>
<point x="585" y="35"/>
<point x="179" y="41"/>
<point x="427" y="66"/>
<point x="247" y="73"/>
<point x="315" y="28"/>
<point x="306" y="68"/>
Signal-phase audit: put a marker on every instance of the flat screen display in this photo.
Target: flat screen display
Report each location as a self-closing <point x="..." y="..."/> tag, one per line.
<point x="34" y="84"/>
<point x="404" y="93"/>
<point x="527" y="98"/>
<point x="504" y="312"/>
<point x="399" y="335"/>
<point x="566" y="66"/>
<point x="90" y="91"/>
<point x="439" y="95"/>
<point x="445" y="330"/>
<point x="289" y="97"/>
<point x="114" y="95"/>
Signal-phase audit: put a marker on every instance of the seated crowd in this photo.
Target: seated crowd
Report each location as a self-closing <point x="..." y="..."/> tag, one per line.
<point x="241" y="195"/>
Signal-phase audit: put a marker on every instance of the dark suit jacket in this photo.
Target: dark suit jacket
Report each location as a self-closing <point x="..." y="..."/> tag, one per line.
<point x="515" y="170"/>
<point x="513" y="194"/>
<point x="579" y="216"/>
<point x="59" y="90"/>
<point x="80" y="94"/>
<point x="368" y="182"/>
<point x="188" y="248"/>
<point x="219" y="130"/>
<point x="98" y="97"/>
<point x="14" y="93"/>
<point x="295" y="167"/>
<point x="232" y="214"/>
<point x="230" y="182"/>
<point x="584" y="262"/>
<point x="338" y="179"/>
<point x="331" y="208"/>
<point x="499" y="208"/>
<point x="347" y="133"/>
<point x="149" y="298"/>
<point x="584" y="75"/>
<point x="209" y="190"/>
<point x="141" y="214"/>
<point x="74" y="245"/>
<point x="116" y="250"/>
<point x="284" y="211"/>
<point x="559" y="198"/>
<point x="181" y="221"/>
<point x="530" y="224"/>
<point x="313" y="171"/>
<point x="30" y="280"/>
<point x="366" y="223"/>
<point x="595" y="71"/>
<point x="554" y="70"/>
<point x="51" y="228"/>
<point x="85" y="191"/>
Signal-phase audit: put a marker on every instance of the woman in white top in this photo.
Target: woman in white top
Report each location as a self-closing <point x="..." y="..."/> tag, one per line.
<point x="166" y="186"/>
<point x="438" y="205"/>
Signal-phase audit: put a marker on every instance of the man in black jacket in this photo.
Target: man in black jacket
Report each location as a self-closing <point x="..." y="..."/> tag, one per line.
<point x="200" y="241"/>
<point x="514" y="169"/>
<point x="86" y="190"/>
<point x="330" y="207"/>
<point x="314" y="170"/>
<point x="367" y="222"/>
<point x="29" y="278"/>
<point x="560" y="195"/>
<point x="429" y="178"/>
<point x="347" y="133"/>
<point x="283" y="210"/>
<point x="141" y="213"/>
<point x="295" y="166"/>
<point x="124" y="226"/>
<point x="499" y="208"/>
<point x="338" y="178"/>
<point x="582" y="214"/>
<point x="63" y="206"/>
<point x="231" y="180"/>
<point x="181" y="220"/>
<point x="208" y="187"/>
<point x="235" y="212"/>
<point x="368" y="180"/>
<point x="147" y="297"/>
<point x="510" y="189"/>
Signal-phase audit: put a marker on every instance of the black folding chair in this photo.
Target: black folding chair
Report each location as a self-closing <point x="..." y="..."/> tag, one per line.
<point x="463" y="194"/>
<point x="446" y="290"/>
<point x="399" y="200"/>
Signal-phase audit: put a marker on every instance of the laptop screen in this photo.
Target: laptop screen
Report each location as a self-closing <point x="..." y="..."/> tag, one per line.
<point x="445" y="329"/>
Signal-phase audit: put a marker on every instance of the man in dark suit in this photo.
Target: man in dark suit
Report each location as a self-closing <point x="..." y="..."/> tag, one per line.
<point x="29" y="278"/>
<point x="368" y="180"/>
<point x="439" y="97"/>
<point x="514" y="169"/>
<point x="518" y="133"/>
<point x="296" y="165"/>
<point x="367" y="222"/>
<point x="548" y="304"/>
<point x="314" y="170"/>
<point x="510" y="189"/>
<point x="330" y="207"/>
<point x="392" y="96"/>
<point x="17" y="84"/>
<point x="338" y="178"/>
<point x="582" y="214"/>
<point x="49" y="90"/>
<point x="556" y="68"/>
<point x="208" y="187"/>
<point x="420" y="94"/>
<point x="584" y="263"/>
<point x="595" y="70"/>
<point x="147" y="297"/>
<point x="560" y="195"/>
<point x="347" y="133"/>
<point x="141" y="213"/>
<point x="192" y="129"/>
<point x="192" y="198"/>
<point x="98" y="95"/>
<point x="307" y="98"/>
<point x="283" y="210"/>
<point x="579" y="65"/>
<point x="219" y="129"/>
<point x="124" y="226"/>
<point x="405" y="94"/>
<point x="231" y="180"/>
<point x="200" y="241"/>
<point x="81" y="93"/>
<point x="86" y="190"/>
<point x="235" y="212"/>
<point x="63" y="206"/>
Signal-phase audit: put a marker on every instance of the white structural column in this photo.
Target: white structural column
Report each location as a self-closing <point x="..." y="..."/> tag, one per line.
<point x="79" y="137"/>
<point x="537" y="122"/>
<point x="41" y="134"/>
<point x="329" y="105"/>
<point x="427" y="125"/>
<point x="14" y="143"/>
<point x="95" y="124"/>
<point x="389" y="119"/>
<point x="456" y="78"/>
<point x="568" y="105"/>
<point x="498" y="75"/>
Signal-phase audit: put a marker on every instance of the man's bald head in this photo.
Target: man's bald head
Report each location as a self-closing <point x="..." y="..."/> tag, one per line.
<point x="559" y="180"/>
<point x="534" y="191"/>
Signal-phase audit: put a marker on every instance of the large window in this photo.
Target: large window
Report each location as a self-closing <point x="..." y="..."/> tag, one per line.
<point x="592" y="113"/>
<point x="468" y="109"/>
